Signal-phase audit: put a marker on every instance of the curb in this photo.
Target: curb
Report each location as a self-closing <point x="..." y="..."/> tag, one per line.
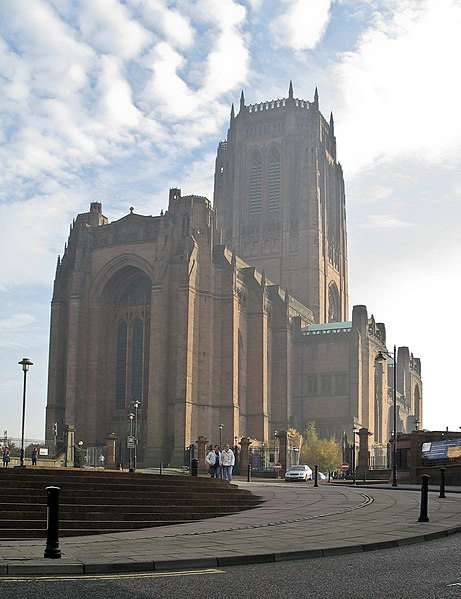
<point x="82" y="569"/>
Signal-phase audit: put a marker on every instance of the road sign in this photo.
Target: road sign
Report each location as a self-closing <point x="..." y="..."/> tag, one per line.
<point x="278" y="467"/>
<point x="130" y="441"/>
<point x="345" y="467"/>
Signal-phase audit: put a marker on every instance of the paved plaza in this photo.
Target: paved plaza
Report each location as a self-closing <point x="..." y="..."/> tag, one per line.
<point x="297" y="520"/>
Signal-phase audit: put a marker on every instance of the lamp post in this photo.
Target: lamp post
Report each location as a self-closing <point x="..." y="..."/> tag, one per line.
<point x="131" y="418"/>
<point x="220" y="436"/>
<point x="354" y="459"/>
<point x="136" y="405"/>
<point x="220" y="446"/>
<point x="25" y="363"/>
<point x="380" y="358"/>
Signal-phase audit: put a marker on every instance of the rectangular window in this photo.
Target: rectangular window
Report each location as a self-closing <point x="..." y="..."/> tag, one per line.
<point x="326" y="384"/>
<point x="312" y="384"/>
<point x="340" y="384"/>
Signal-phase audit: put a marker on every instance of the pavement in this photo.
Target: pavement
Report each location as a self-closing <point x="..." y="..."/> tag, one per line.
<point x="296" y="521"/>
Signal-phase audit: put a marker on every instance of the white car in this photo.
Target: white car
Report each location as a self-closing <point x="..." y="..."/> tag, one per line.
<point x="302" y="472"/>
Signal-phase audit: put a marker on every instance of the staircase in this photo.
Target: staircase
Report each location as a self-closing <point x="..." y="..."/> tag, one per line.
<point x="105" y="501"/>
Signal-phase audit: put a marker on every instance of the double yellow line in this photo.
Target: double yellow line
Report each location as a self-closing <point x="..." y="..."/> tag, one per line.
<point x="59" y="578"/>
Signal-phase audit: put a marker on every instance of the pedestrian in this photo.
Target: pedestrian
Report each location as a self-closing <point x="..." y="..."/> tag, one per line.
<point x="213" y="459"/>
<point x="6" y="456"/>
<point x="227" y="463"/>
<point x="102" y="459"/>
<point x="34" y="456"/>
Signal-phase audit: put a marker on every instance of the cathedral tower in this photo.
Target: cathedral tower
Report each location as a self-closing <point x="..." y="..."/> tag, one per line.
<point x="280" y="202"/>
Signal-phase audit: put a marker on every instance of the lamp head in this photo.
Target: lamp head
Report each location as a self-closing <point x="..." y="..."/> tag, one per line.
<point x="380" y="358"/>
<point x="26" y="363"/>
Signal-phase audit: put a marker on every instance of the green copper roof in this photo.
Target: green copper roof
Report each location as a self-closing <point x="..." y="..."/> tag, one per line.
<point x="329" y="328"/>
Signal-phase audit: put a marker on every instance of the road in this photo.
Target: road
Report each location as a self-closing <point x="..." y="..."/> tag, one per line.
<point x="421" y="571"/>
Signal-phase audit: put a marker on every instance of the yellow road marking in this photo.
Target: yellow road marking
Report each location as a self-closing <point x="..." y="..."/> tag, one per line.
<point x="58" y="577"/>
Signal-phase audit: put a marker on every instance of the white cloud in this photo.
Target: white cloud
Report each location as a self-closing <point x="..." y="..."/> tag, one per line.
<point x="166" y="86"/>
<point x="384" y="221"/>
<point x="303" y="23"/>
<point x="115" y="97"/>
<point x="108" y="26"/>
<point x="168" y="21"/>
<point x="33" y="260"/>
<point x="17" y="321"/>
<point x="395" y="82"/>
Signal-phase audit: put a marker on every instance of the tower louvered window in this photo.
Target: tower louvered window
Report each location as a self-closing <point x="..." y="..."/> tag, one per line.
<point x="255" y="184"/>
<point x="273" y="196"/>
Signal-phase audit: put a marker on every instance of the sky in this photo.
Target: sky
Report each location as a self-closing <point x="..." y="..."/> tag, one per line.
<point x="117" y="101"/>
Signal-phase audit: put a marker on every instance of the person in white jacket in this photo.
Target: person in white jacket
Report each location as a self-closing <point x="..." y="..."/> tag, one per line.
<point x="227" y="463"/>
<point x="213" y="459"/>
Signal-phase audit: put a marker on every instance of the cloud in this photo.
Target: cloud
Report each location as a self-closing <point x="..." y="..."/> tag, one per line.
<point x="303" y="23"/>
<point x="385" y="221"/>
<point x="108" y="27"/>
<point x="116" y="107"/>
<point x="392" y="84"/>
<point x="16" y="321"/>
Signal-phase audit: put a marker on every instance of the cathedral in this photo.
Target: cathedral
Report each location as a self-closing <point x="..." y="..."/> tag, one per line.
<point x="231" y="320"/>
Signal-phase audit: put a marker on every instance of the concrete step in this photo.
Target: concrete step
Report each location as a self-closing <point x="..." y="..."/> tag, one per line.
<point x="103" y="501"/>
<point x="13" y="517"/>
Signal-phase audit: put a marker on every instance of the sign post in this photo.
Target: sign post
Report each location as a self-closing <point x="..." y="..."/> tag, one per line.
<point x="277" y="468"/>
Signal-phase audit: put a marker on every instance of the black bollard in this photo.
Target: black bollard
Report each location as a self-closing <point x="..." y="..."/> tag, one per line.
<point x="249" y="474"/>
<point x="329" y="475"/>
<point x="52" y="524"/>
<point x="194" y="467"/>
<point x="161" y="467"/>
<point x="364" y="476"/>
<point x="424" y="492"/>
<point x="442" y="483"/>
<point x="316" y="475"/>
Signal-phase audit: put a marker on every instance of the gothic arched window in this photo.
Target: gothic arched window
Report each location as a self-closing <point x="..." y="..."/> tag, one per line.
<point x="334" y="307"/>
<point x="255" y="183"/>
<point x="273" y="187"/>
<point x="132" y="312"/>
<point x="120" y="369"/>
<point x="137" y="360"/>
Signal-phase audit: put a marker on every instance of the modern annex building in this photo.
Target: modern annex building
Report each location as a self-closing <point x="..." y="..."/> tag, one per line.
<point x="232" y="315"/>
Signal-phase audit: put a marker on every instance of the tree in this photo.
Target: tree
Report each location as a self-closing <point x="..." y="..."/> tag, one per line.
<point x="326" y="453"/>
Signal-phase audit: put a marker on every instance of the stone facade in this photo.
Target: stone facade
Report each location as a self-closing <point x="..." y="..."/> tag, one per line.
<point x="233" y="316"/>
<point x="339" y="384"/>
<point x="152" y="309"/>
<point x="280" y="201"/>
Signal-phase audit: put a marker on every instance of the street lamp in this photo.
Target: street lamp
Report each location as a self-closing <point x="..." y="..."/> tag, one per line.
<point x="136" y="405"/>
<point x="296" y="450"/>
<point x="131" y="418"/>
<point x="220" y="436"/>
<point x="354" y="460"/>
<point x="380" y="358"/>
<point x="220" y="445"/>
<point x="25" y="363"/>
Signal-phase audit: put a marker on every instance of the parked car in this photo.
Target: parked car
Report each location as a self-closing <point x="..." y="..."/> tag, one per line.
<point x="301" y="472"/>
<point x="321" y="476"/>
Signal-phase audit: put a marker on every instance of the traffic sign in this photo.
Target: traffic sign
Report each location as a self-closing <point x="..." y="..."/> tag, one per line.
<point x="130" y="441"/>
<point x="345" y="467"/>
<point x="278" y="467"/>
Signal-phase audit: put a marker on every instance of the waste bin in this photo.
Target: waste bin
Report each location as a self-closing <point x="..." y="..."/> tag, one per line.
<point x="194" y="467"/>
